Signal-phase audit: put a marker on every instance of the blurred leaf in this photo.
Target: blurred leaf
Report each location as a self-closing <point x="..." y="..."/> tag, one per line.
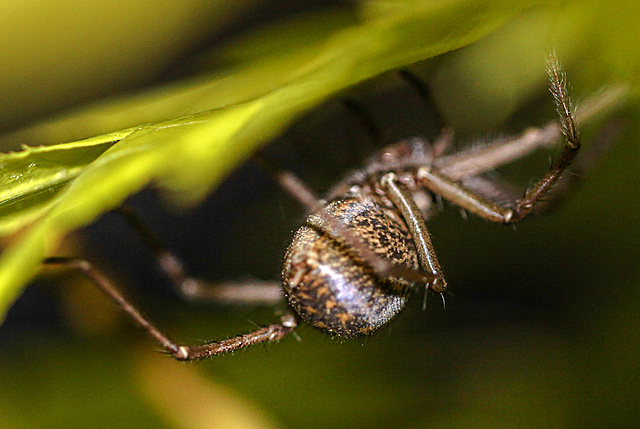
<point x="65" y="52"/>
<point x="485" y="84"/>
<point x="191" y="394"/>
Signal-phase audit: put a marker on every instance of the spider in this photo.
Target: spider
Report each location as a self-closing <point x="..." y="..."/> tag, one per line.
<point x="365" y="246"/>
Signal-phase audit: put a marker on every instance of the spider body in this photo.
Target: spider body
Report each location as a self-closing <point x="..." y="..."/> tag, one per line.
<point x="331" y="286"/>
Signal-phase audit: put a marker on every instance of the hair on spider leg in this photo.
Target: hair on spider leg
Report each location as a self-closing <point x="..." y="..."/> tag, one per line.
<point x="564" y="108"/>
<point x="365" y="246"/>
<point x="424" y="299"/>
<point x="296" y="336"/>
<point x="426" y="294"/>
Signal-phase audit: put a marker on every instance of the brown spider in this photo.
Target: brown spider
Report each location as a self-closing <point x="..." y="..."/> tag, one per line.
<point x="353" y="263"/>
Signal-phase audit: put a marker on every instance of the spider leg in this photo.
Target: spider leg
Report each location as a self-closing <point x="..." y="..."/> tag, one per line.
<point x="424" y="91"/>
<point x="362" y="115"/>
<point x="191" y="288"/>
<point x="598" y="146"/>
<point x="290" y="183"/>
<point x="402" y="199"/>
<point x="443" y="142"/>
<point x="472" y="201"/>
<point x="180" y="352"/>
<point x="501" y="192"/>
<point x="367" y="120"/>
<point x="441" y="177"/>
<point x="484" y="158"/>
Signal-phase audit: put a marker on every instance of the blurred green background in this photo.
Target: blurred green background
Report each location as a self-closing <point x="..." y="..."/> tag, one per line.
<point x="542" y="330"/>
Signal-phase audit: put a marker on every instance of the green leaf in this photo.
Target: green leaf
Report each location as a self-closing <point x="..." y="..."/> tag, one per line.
<point x="261" y="94"/>
<point x="30" y="179"/>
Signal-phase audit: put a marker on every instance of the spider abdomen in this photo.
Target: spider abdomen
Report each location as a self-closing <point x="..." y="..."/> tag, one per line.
<point x="330" y="285"/>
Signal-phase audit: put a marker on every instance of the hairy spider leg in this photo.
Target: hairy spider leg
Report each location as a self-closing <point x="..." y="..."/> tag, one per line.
<point x="444" y="176"/>
<point x="180" y="352"/>
<point x="484" y="158"/>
